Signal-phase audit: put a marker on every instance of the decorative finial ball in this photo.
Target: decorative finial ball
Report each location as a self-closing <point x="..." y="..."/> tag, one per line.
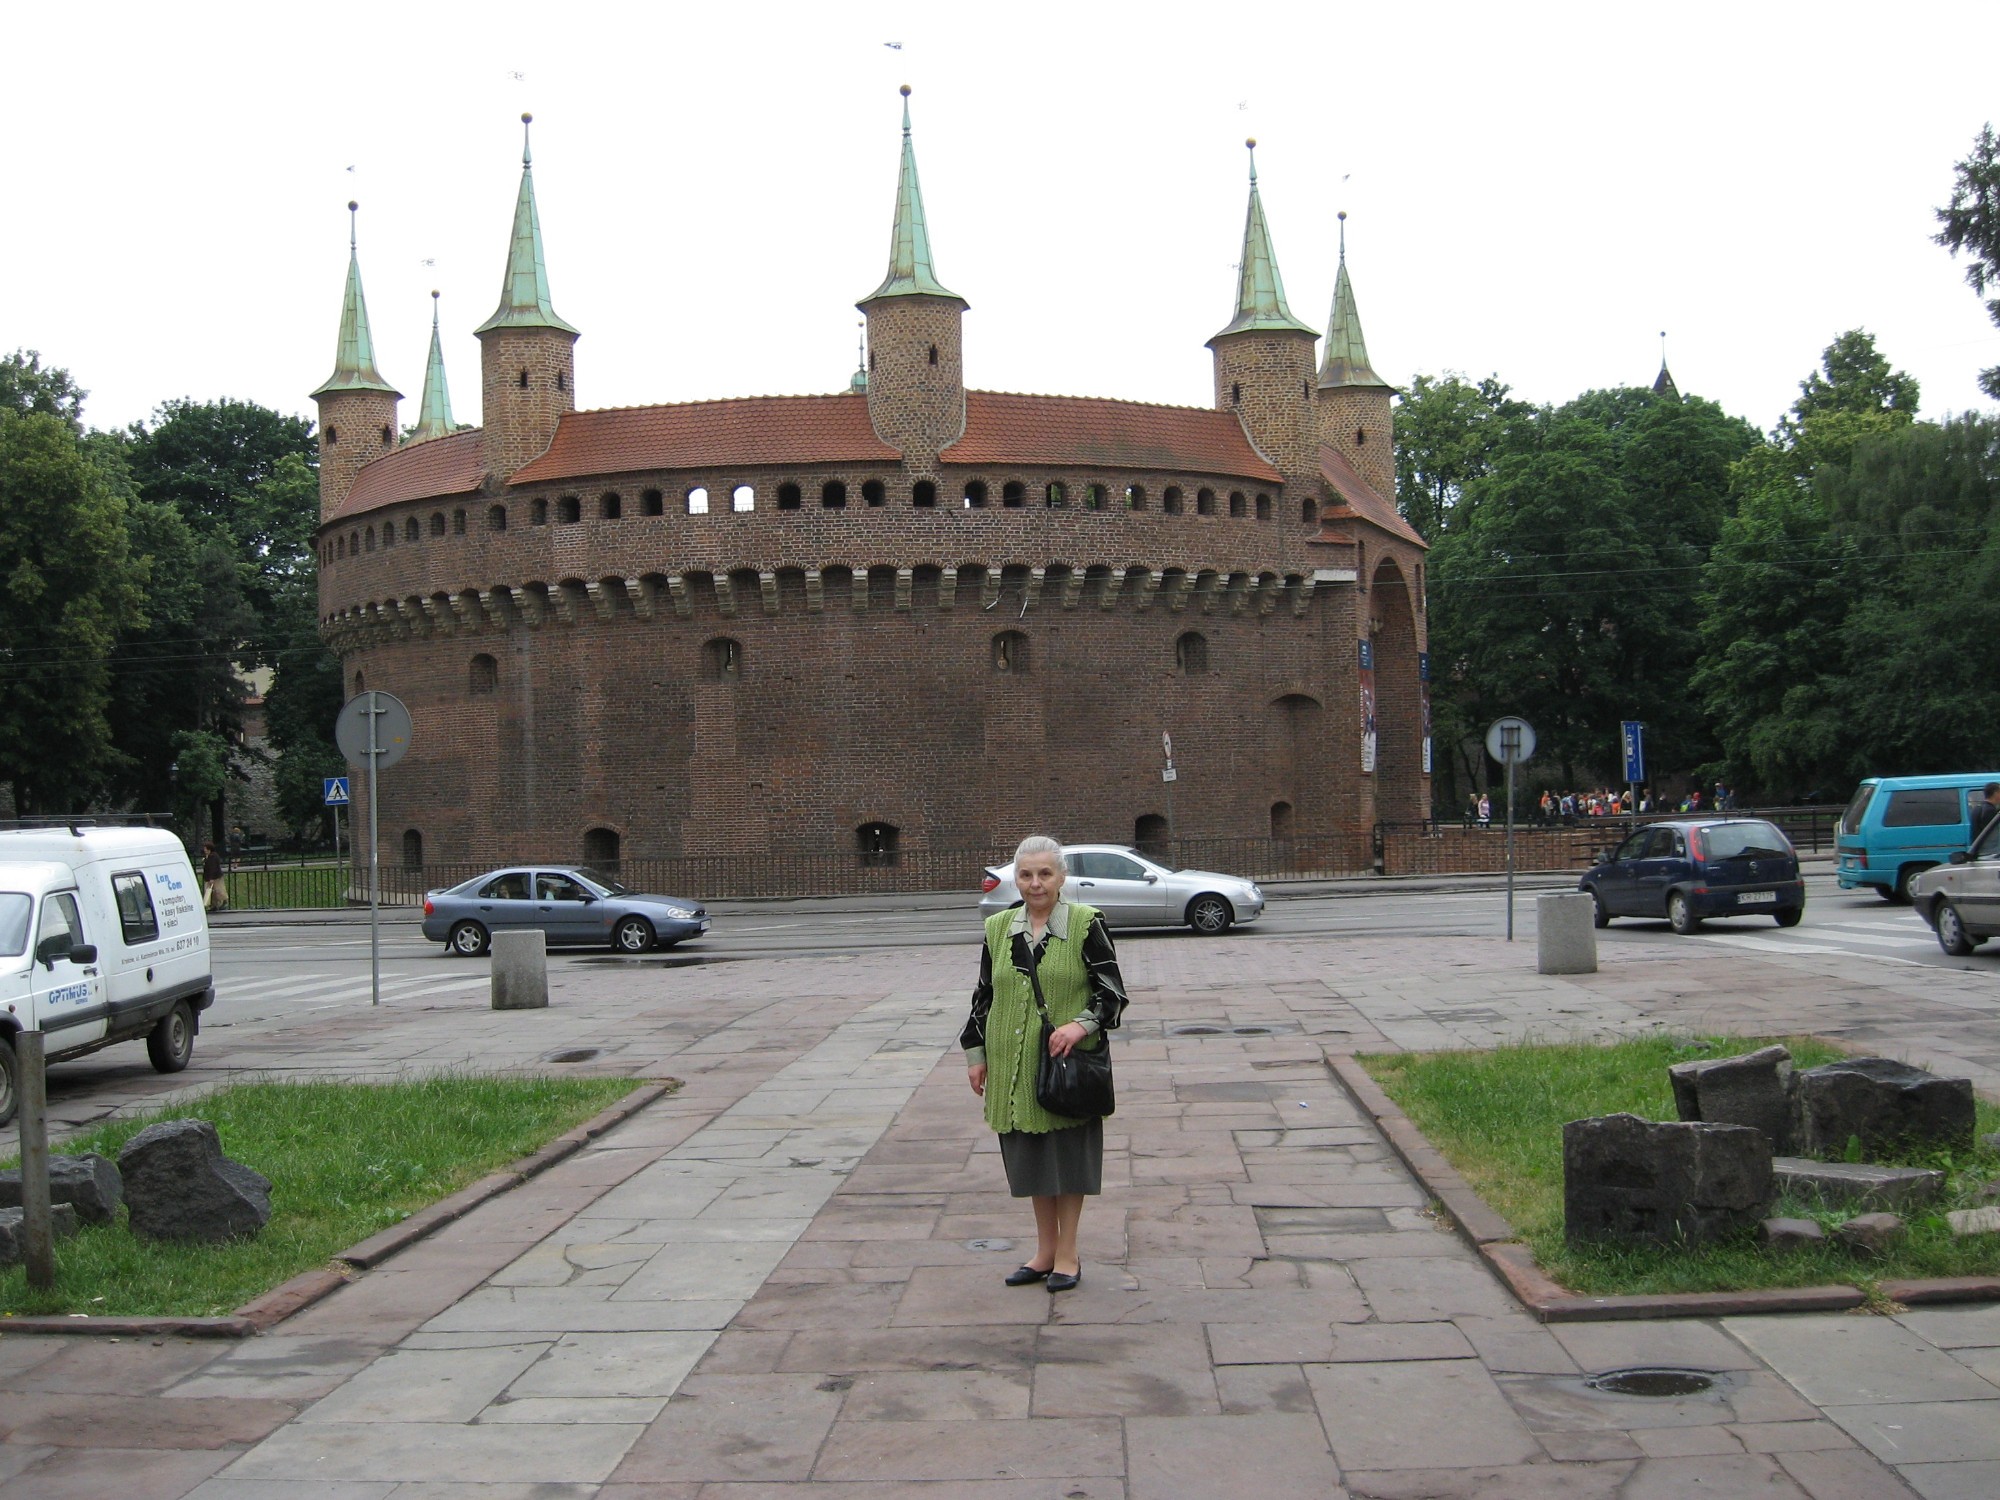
<point x="904" y="91"/>
<point x="352" y="206"/>
<point x="1251" y="143"/>
<point x="434" y="294"/>
<point x="527" y="119"/>
<point x="1342" y="216"/>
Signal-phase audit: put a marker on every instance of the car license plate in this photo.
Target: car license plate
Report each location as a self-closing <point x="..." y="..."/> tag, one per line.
<point x="1757" y="898"/>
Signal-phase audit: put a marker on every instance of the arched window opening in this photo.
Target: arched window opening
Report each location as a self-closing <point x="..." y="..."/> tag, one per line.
<point x="1171" y="501"/>
<point x="562" y="381"/>
<point x="437" y="523"/>
<point x="1149" y="836"/>
<point x="1055" y="497"/>
<point x="1204" y="502"/>
<point x="1281" y="820"/>
<point x="1360" y="436"/>
<point x="413" y="849"/>
<point x="924" y="494"/>
<point x="496" y="518"/>
<point x="1235" y="395"/>
<point x="1135" y="497"/>
<point x="1263" y="507"/>
<point x="610" y="505"/>
<point x="368" y="539"/>
<point x="388" y="533"/>
<point x="601" y="849"/>
<point x="697" y="501"/>
<point x="1238" y="506"/>
<point x="975" y="494"/>
<point x="872" y="492"/>
<point x="876" y="843"/>
<point x="413" y="530"/>
<point x="788" y="497"/>
<point x="1093" y="497"/>
<point x="742" y="498"/>
<point x="569" y="510"/>
<point x="538" y="514"/>
<point x="833" y="495"/>
<point x="1010" y="652"/>
<point x="1306" y="389"/>
<point x="1013" y="494"/>
<point x="722" y="660"/>
<point x="360" y="684"/>
<point x="933" y="353"/>
<point x="524" y="380"/>
<point x="332" y="436"/>
<point x="340" y="546"/>
<point x="653" y="503"/>
<point x="1191" y="653"/>
<point x="388" y="436"/>
<point x="483" y="676"/>
<point x="1309" y="511"/>
<point x="353" y="544"/>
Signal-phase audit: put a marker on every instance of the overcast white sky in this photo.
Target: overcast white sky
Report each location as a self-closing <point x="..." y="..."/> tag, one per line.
<point x="1532" y="190"/>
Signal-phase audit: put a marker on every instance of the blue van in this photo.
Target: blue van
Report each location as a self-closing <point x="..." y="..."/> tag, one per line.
<point x="1899" y="826"/>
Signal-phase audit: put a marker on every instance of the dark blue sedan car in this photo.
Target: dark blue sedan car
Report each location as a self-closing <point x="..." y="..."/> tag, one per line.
<point x="569" y="903"/>
<point x="1694" y="868"/>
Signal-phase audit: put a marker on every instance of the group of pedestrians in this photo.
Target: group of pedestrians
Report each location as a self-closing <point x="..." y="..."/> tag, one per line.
<point x="1564" y="809"/>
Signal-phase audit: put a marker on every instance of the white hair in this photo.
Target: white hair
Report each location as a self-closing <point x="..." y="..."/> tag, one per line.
<point x="1041" y="843"/>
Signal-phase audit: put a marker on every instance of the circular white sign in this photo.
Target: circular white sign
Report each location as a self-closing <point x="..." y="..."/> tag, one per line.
<point x="1510" y="740"/>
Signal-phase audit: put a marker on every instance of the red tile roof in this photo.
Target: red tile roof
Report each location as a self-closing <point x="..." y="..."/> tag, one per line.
<point x="749" y="432"/>
<point x="1361" y="497"/>
<point x="430" y="470"/>
<point x="1002" y="428"/>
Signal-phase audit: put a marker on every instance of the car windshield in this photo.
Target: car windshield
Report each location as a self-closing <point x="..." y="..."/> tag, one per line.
<point x="1850" y="821"/>
<point x="15" y="909"/>
<point x="604" y="883"/>
<point x="1744" y="840"/>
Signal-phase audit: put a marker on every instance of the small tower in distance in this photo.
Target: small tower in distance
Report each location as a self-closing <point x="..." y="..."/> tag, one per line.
<point x="1264" y="357"/>
<point x="1354" y="411"/>
<point x="1663" y="383"/>
<point x="527" y="355"/>
<point x="915" y="369"/>
<point x="357" y="407"/>
<point x="434" y="416"/>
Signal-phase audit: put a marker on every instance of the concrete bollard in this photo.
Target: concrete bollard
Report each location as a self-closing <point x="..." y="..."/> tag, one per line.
<point x="1565" y="934"/>
<point x="520" y="970"/>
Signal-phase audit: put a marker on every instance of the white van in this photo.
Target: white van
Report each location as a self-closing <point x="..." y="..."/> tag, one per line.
<point x="102" y="940"/>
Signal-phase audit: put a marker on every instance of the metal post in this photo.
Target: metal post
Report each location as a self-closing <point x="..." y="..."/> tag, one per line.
<point x="336" y="854"/>
<point x="1510" y="848"/>
<point x="374" y="858"/>
<point x="37" y="1222"/>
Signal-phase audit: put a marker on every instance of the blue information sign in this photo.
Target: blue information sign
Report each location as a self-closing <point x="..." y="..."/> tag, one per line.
<point x="1633" y="736"/>
<point x="335" y="788"/>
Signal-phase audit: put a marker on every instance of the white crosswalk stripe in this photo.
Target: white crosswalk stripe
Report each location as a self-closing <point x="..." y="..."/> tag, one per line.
<point x="331" y="990"/>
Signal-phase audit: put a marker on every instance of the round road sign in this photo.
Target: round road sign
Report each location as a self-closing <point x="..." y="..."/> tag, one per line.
<point x="1510" y="740"/>
<point x="392" y="729"/>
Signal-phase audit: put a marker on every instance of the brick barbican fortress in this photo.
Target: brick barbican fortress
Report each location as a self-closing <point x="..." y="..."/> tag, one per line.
<point x="906" y="618"/>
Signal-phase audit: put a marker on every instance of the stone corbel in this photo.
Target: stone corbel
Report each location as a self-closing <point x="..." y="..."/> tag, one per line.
<point x="767" y="586"/>
<point x="677" y="590"/>
<point x="904" y="577"/>
<point x="815" y="591"/>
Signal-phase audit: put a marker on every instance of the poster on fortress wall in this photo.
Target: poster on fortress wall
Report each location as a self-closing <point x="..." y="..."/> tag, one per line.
<point x="1367" y="675"/>
<point x="1424" y="701"/>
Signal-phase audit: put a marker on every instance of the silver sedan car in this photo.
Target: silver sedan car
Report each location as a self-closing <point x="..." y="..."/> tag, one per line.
<point x="1134" y="891"/>
<point x="569" y="903"/>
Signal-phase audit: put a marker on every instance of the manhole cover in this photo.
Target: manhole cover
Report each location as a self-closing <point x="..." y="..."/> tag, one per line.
<point x="1652" y="1382"/>
<point x="574" y="1054"/>
<point x="989" y="1244"/>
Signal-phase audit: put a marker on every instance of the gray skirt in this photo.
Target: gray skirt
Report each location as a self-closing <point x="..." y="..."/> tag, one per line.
<point x="1042" y="1163"/>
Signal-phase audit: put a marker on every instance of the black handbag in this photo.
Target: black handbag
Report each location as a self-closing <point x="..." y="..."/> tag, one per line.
<point x="1076" y="1085"/>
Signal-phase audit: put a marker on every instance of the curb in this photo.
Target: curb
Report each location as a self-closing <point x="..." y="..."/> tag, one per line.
<point x="1514" y="1263"/>
<point x="264" y="1313"/>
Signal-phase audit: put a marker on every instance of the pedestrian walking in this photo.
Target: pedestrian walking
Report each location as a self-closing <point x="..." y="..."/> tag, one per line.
<point x="1485" y="811"/>
<point x="214" y="890"/>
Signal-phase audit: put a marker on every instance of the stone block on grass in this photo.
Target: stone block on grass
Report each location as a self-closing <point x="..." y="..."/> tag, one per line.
<point x="1858" y="1184"/>
<point x="14" y="1230"/>
<point x="1871" y="1234"/>
<point x="1965" y="1221"/>
<point x="89" y="1183"/>
<point x="1791" y="1234"/>
<point x="179" y="1185"/>
<point x="1888" y="1105"/>
<point x="1673" y="1182"/>
<point x="521" y="970"/>
<point x="1751" y="1088"/>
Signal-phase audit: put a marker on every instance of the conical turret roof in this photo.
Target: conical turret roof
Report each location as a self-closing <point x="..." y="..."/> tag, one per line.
<point x="1344" y="363"/>
<point x="434" y="419"/>
<point x="1260" y="290"/>
<point x="524" y="294"/>
<point x="910" y="273"/>
<point x="354" y="358"/>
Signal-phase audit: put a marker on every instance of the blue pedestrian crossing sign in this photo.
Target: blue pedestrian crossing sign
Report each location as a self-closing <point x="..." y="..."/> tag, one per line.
<point x="336" y="790"/>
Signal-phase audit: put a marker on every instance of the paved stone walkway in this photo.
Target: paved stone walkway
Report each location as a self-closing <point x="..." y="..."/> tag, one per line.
<point x="789" y="1272"/>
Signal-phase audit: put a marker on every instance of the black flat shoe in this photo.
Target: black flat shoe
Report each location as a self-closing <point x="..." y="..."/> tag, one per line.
<point x="1058" y="1282"/>
<point x="1027" y="1276"/>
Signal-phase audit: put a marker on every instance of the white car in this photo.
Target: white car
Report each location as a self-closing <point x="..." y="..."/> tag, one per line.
<point x="1134" y="891"/>
<point x="1961" y="900"/>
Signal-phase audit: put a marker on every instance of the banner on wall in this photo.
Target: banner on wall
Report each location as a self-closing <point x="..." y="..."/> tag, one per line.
<point x="1367" y="675"/>
<point x="1424" y="699"/>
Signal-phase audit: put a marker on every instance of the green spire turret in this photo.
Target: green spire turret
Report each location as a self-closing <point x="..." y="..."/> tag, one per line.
<point x="1345" y="364"/>
<point x="434" y="419"/>
<point x="354" y="359"/>
<point x="910" y="273"/>
<point x="524" y="294"/>
<point x="1260" y="291"/>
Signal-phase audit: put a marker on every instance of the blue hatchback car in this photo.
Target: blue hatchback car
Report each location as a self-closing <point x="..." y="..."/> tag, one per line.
<point x="1690" y="869"/>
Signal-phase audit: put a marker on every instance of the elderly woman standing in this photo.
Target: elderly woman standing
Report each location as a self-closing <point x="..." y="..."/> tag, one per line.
<point x="1055" y="1161"/>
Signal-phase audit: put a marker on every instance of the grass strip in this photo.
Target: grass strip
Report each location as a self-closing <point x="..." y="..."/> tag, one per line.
<point x="1498" y="1117"/>
<point x="344" y="1159"/>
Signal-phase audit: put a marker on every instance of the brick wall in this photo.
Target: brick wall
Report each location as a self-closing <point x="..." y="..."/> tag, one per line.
<point x="916" y="403"/>
<point x="1467" y="851"/>
<point x="1267" y="380"/>
<point x="355" y="428"/>
<point x="527" y="381"/>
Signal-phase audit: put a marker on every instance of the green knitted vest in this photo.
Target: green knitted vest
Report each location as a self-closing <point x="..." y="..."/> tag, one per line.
<point x="1014" y="1026"/>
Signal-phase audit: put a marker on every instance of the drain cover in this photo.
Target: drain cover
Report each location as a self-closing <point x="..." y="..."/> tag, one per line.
<point x="1652" y="1382"/>
<point x="1194" y="1031"/>
<point x="1251" y="1030"/>
<point x="574" y="1054"/>
<point x="989" y="1244"/>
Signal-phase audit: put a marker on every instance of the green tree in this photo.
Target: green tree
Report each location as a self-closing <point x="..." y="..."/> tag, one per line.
<point x="1447" y="432"/>
<point x="71" y="586"/>
<point x="25" y="386"/>
<point x="1971" y="225"/>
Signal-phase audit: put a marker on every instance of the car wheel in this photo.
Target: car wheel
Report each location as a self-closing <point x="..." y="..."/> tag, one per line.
<point x="170" y="1044"/>
<point x="1209" y="915"/>
<point x="1951" y="933"/>
<point x="1600" y="916"/>
<point x="1903" y="878"/>
<point x="1681" y="915"/>
<point x="633" y="935"/>
<point x="9" y="1091"/>
<point x="468" y="939"/>
<point x="1790" y="918"/>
